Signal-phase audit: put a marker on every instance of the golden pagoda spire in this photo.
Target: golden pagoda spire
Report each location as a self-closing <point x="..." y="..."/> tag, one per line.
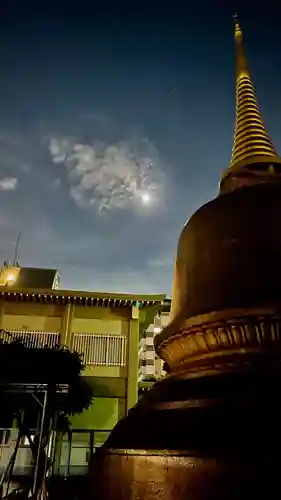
<point x="252" y="147"/>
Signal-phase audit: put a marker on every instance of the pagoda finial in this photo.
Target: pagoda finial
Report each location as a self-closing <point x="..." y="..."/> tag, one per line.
<point x="235" y="19"/>
<point x="252" y="147"/>
<point x="241" y="61"/>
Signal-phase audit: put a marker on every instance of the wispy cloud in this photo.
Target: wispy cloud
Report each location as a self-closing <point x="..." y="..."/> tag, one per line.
<point x="8" y="184"/>
<point x="108" y="176"/>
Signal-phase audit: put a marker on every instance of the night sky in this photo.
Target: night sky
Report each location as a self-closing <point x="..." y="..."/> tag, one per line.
<point x="102" y="107"/>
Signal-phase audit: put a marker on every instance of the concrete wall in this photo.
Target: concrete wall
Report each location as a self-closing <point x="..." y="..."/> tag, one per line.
<point x="29" y="316"/>
<point x="21" y="316"/>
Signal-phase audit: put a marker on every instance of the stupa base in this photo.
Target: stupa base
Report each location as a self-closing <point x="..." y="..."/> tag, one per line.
<point x="215" y="437"/>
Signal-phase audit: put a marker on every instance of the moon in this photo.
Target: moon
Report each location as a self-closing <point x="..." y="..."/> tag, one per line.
<point x="145" y="198"/>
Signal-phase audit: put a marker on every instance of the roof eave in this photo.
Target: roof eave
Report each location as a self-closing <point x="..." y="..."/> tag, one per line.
<point x="62" y="297"/>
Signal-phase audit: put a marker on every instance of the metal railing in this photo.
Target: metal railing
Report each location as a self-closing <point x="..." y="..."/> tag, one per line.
<point x="31" y="338"/>
<point x="101" y="350"/>
<point x="95" y="349"/>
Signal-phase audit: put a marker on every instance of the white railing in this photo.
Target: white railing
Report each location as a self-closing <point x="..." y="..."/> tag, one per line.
<point x="101" y="350"/>
<point x="31" y="338"/>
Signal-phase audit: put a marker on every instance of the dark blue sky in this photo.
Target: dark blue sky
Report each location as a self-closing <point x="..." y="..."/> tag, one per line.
<point x="101" y="105"/>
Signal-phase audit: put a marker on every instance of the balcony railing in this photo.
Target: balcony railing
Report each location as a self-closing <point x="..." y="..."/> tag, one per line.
<point x="31" y="338"/>
<point x="95" y="349"/>
<point x="101" y="350"/>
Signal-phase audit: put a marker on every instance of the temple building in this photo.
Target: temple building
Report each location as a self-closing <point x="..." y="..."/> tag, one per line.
<point x="211" y="427"/>
<point x="103" y="327"/>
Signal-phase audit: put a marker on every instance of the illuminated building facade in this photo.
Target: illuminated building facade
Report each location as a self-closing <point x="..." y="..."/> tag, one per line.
<point x="103" y="327"/>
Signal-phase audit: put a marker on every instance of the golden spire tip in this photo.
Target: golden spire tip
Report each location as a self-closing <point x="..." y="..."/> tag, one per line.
<point x="237" y="25"/>
<point x="252" y="148"/>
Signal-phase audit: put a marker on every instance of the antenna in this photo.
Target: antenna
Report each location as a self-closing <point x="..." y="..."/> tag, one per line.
<point x="17" y="243"/>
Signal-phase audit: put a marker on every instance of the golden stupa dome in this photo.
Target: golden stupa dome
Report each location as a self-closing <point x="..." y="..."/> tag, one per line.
<point x="226" y="291"/>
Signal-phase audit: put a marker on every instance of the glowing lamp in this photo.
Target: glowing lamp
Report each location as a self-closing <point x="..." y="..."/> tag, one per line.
<point x="11" y="278"/>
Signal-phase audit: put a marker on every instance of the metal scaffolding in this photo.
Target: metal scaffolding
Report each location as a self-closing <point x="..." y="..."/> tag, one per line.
<point x="37" y="491"/>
